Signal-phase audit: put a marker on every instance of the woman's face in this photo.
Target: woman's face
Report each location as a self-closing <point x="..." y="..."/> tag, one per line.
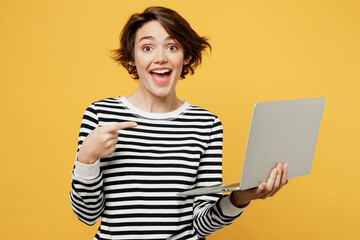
<point x="159" y="60"/>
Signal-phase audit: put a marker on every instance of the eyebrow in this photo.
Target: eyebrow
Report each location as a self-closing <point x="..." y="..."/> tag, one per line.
<point x="146" y="37"/>
<point x="152" y="38"/>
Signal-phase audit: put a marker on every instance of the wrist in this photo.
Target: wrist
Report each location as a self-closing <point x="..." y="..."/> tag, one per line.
<point x="85" y="160"/>
<point x="238" y="202"/>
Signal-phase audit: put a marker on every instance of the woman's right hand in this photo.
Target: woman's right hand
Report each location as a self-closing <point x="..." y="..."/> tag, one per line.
<point x="101" y="142"/>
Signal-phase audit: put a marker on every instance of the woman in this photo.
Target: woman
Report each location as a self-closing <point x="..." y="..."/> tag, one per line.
<point x="137" y="152"/>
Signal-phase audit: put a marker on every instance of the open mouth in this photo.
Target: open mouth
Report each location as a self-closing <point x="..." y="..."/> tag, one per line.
<point x="161" y="76"/>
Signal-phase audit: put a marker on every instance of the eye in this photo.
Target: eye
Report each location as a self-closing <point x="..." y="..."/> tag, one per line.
<point x="147" y="48"/>
<point x="172" y="47"/>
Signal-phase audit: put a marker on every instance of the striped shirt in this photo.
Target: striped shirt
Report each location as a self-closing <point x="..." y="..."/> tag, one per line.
<point x="134" y="190"/>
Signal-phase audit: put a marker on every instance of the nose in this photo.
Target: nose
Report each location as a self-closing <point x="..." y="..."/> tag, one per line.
<point x="160" y="56"/>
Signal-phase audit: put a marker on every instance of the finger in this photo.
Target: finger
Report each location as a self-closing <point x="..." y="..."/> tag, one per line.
<point x="114" y="135"/>
<point x="284" y="175"/>
<point x="119" y="126"/>
<point x="278" y="189"/>
<point x="277" y="183"/>
<point x="284" y="179"/>
<point x="114" y="141"/>
<point x="271" y="180"/>
<point x="110" y="143"/>
<point x="108" y="138"/>
<point x="260" y="188"/>
<point x="112" y="149"/>
<point x="277" y="179"/>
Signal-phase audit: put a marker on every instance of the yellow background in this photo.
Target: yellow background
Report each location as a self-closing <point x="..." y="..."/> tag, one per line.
<point x="54" y="62"/>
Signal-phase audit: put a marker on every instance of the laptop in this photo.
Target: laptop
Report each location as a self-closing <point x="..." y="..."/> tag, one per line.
<point x="280" y="131"/>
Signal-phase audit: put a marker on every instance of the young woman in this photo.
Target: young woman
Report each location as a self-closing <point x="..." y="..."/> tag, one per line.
<point x="137" y="152"/>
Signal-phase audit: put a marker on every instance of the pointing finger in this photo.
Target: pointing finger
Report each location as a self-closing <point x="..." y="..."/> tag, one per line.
<point x="119" y="126"/>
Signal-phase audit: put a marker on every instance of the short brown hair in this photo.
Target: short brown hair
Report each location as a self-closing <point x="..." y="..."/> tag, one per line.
<point x="178" y="28"/>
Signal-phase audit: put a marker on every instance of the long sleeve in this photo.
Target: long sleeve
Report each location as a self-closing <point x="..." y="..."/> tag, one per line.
<point x="86" y="196"/>
<point x="165" y="154"/>
<point x="214" y="211"/>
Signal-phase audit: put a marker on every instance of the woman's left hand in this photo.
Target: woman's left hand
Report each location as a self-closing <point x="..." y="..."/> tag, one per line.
<point x="276" y="180"/>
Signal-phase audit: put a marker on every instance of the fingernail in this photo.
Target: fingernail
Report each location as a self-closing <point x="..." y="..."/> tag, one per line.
<point x="134" y="124"/>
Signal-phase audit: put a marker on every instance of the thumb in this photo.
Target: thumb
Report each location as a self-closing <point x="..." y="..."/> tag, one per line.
<point x="119" y="126"/>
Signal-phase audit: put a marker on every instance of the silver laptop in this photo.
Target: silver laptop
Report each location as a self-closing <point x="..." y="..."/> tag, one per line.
<point x="280" y="131"/>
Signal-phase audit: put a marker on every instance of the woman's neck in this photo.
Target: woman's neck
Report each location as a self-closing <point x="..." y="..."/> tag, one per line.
<point x="154" y="104"/>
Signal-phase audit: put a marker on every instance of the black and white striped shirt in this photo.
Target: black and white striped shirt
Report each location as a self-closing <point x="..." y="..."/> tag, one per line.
<point x="134" y="191"/>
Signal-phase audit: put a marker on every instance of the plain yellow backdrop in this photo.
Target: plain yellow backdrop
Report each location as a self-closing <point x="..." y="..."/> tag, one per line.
<point x="54" y="62"/>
